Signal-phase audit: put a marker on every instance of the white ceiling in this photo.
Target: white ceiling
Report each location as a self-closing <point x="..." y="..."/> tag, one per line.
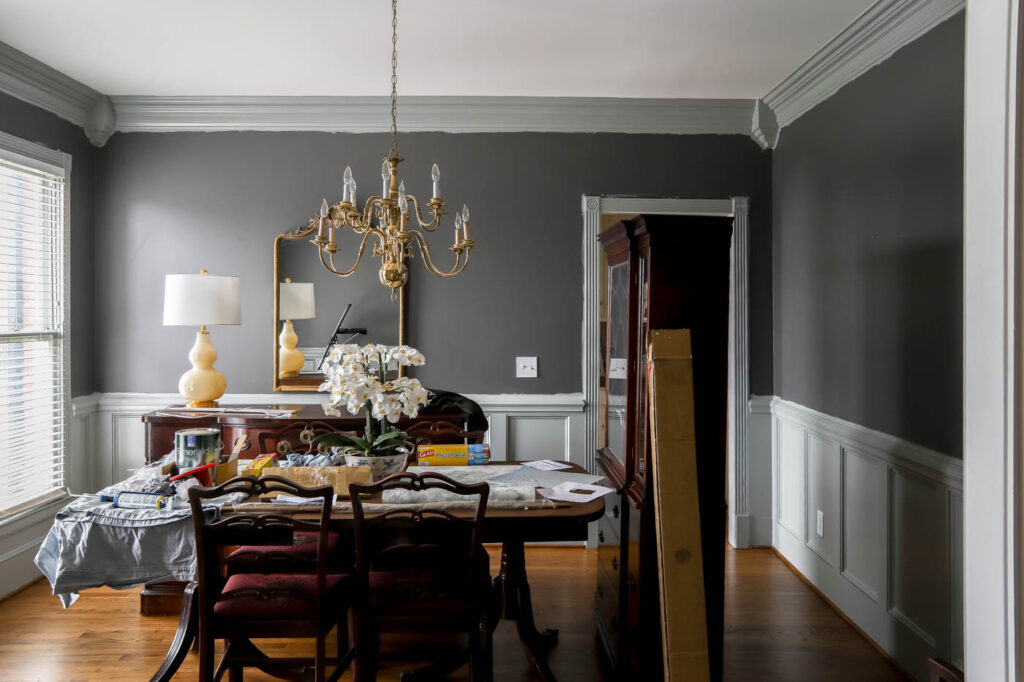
<point x="593" y="48"/>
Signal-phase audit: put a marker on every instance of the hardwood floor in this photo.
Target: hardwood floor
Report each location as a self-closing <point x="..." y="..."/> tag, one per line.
<point x="777" y="628"/>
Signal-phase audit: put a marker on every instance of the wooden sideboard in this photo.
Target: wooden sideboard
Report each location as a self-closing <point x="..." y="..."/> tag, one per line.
<point x="161" y="426"/>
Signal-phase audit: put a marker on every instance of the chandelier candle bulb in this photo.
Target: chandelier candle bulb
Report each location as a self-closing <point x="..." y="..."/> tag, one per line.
<point x="384" y="172"/>
<point x="352" y="191"/>
<point x="464" y="219"/>
<point x="435" y="176"/>
<point x="347" y="181"/>
<point x="322" y="234"/>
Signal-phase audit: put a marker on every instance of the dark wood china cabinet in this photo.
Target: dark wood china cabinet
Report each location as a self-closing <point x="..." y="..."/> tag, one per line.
<point x="660" y="272"/>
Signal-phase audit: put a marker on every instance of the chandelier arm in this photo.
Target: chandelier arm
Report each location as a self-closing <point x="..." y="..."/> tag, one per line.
<point x="428" y="261"/>
<point x="428" y="226"/>
<point x="359" y="255"/>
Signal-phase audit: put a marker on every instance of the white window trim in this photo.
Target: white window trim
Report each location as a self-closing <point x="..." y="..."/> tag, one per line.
<point x="44" y="158"/>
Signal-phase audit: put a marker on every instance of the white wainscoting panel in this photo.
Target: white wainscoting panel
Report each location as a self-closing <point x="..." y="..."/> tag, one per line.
<point x="891" y="552"/>
<point x="108" y="436"/>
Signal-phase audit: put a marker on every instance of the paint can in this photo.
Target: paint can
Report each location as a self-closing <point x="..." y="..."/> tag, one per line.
<point x="196" y="447"/>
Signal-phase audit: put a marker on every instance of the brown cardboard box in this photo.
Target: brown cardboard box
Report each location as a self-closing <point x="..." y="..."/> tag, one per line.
<point x="336" y="477"/>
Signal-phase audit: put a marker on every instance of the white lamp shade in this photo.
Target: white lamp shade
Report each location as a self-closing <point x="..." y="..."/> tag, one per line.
<point x="297" y="302"/>
<point x="192" y="300"/>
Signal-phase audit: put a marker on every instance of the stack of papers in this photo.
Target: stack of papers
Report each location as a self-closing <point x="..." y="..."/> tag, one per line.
<point x="547" y="465"/>
<point x="575" y="492"/>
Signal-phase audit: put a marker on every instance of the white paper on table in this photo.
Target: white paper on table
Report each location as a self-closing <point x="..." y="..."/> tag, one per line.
<point x="295" y="499"/>
<point x="538" y="478"/>
<point x="575" y="492"/>
<point x="547" y="465"/>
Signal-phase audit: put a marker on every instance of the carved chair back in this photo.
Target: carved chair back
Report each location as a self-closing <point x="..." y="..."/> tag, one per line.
<point x="432" y="542"/>
<point x="215" y="535"/>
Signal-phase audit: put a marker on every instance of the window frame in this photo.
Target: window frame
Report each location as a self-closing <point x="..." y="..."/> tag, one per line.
<point x="49" y="160"/>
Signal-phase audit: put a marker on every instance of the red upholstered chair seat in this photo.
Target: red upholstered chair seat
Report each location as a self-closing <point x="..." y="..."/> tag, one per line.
<point x="244" y="596"/>
<point x="419" y="592"/>
<point x="272" y="558"/>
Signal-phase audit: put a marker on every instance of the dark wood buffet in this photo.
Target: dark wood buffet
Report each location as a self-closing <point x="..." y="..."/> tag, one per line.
<point x="661" y="272"/>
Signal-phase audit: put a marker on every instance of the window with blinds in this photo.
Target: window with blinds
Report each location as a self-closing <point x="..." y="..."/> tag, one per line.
<point x="33" y="367"/>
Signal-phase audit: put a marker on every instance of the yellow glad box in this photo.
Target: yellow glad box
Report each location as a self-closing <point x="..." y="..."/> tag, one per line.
<point x="452" y="455"/>
<point x="312" y="477"/>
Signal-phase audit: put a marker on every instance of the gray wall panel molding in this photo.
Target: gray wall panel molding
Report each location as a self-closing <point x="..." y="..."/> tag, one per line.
<point x="34" y="82"/>
<point x="872" y="38"/>
<point x="923" y="461"/>
<point x="439" y="114"/>
<point x="891" y="509"/>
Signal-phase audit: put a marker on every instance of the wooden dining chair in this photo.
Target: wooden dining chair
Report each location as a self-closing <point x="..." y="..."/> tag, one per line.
<point x="422" y="570"/>
<point x="303" y="602"/>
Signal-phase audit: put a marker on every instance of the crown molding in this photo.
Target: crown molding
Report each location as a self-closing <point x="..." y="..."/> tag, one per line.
<point x="32" y="81"/>
<point x="873" y="37"/>
<point x="439" y="114"/>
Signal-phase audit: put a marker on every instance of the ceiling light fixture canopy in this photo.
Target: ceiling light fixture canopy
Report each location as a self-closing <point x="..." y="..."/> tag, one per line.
<point x="391" y="212"/>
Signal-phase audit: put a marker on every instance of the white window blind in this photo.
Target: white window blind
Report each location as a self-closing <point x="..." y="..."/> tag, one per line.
<point x="33" y="381"/>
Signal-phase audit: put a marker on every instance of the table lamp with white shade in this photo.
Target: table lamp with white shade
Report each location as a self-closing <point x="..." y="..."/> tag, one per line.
<point x="191" y="300"/>
<point x="296" y="303"/>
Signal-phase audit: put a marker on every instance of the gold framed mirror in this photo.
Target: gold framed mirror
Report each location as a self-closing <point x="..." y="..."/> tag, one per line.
<point x="318" y="298"/>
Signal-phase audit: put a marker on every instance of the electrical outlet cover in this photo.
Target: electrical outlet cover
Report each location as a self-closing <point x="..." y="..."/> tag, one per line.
<point x="526" y="368"/>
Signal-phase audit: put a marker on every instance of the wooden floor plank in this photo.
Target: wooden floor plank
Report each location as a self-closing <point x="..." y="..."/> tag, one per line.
<point x="777" y="629"/>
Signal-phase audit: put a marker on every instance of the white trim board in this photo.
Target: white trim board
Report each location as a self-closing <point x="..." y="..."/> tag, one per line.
<point x="993" y="509"/>
<point x="873" y="37"/>
<point x="442" y="114"/>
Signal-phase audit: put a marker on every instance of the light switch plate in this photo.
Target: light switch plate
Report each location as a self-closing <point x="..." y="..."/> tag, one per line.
<point x="526" y="368"/>
<point x="821" y="523"/>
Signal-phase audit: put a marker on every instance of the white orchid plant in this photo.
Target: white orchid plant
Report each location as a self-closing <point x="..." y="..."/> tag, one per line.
<point x="357" y="379"/>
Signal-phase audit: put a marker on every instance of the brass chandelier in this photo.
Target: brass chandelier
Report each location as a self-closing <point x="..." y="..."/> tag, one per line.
<point x="390" y="211"/>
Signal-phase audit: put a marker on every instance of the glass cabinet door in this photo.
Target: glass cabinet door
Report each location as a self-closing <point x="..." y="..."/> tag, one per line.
<point x="616" y="365"/>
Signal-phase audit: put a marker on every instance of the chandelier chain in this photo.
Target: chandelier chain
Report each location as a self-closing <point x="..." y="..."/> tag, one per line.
<point x="394" y="78"/>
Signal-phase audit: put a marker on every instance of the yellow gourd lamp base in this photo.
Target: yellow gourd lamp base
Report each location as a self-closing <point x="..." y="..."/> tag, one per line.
<point x="290" y="359"/>
<point x="202" y="385"/>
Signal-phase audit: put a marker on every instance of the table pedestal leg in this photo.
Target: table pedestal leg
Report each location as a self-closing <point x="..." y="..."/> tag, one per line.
<point x="187" y="626"/>
<point x="518" y="606"/>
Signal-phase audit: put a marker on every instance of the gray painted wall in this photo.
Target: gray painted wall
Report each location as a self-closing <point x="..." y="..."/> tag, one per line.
<point x="33" y="124"/>
<point x="178" y="202"/>
<point x="868" y="219"/>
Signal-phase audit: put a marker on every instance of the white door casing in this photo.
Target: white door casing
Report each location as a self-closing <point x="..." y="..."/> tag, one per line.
<point x="737" y="208"/>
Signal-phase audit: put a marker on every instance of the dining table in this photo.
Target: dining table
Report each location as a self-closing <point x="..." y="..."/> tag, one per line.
<point x="511" y="526"/>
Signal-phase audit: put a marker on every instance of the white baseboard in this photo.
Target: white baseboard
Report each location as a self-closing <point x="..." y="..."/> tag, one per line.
<point x="890" y="555"/>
